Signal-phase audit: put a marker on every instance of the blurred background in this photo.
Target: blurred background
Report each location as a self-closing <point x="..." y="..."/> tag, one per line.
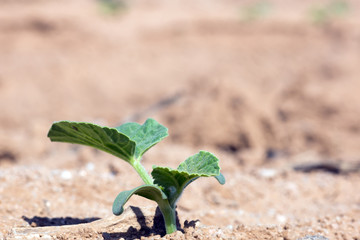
<point x="268" y="86"/>
<point x="258" y="80"/>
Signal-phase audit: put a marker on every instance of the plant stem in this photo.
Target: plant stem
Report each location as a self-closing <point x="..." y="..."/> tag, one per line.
<point x="169" y="215"/>
<point x="168" y="212"/>
<point x="142" y="172"/>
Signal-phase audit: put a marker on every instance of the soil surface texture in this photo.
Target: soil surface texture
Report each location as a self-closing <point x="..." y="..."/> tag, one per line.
<point x="270" y="87"/>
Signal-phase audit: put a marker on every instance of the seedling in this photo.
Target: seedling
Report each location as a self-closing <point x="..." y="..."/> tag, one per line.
<point x="257" y="10"/>
<point x="112" y="7"/>
<point x="129" y="142"/>
<point x="330" y="11"/>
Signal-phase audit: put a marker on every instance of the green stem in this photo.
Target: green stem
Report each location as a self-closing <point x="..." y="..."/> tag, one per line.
<point x="142" y="172"/>
<point x="167" y="211"/>
<point x="169" y="215"/>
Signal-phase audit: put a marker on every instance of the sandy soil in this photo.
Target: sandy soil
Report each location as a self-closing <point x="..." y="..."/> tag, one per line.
<point x="263" y="85"/>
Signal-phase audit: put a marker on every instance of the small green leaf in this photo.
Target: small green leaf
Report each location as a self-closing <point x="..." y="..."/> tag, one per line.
<point x="174" y="181"/>
<point x="203" y="164"/>
<point x="145" y="136"/>
<point x="220" y="178"/>
<point x="148" y="191"/>
<point x="106" y="139"/>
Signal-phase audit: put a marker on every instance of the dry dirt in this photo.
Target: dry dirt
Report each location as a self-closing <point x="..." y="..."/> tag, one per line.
<point x="273" y="94"/>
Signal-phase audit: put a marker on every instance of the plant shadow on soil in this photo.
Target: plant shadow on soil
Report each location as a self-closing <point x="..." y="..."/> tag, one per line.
<point x="59" y="221"/>
<point x="158" y="227"/>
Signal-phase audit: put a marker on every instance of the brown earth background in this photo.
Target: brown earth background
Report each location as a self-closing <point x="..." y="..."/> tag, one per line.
<point x="270" y="87"/>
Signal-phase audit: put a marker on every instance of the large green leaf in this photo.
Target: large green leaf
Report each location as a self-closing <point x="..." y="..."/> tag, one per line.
<point x="174" y="181"/>
<point x="148" y="191"/>
<point x="128" y="141"/>
<point x="145" y="136"/>
<point x="106" y="139"/>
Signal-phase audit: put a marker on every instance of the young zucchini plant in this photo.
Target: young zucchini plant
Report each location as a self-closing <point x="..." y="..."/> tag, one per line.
<point x="129" y="142"/>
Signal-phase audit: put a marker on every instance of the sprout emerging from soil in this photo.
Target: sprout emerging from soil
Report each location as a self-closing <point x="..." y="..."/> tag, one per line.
<point x="129" y="142"/>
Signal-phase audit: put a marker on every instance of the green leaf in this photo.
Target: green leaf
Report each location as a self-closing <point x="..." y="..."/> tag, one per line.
<point x="174" y="181"/>
<point x="106" y="139"/>
<point x="220" y="178"/>
<point x="148" y="191"/>
<point x="203" y="164"/>
<point x="128" y="141"/>
<point x="145" y="136"/>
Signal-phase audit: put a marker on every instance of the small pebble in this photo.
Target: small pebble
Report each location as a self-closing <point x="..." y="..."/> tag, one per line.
<point x="267" y="172"/>
<point x="198" y="224"/>
<point x="230" y="227"/>
<point x="90" y="166"/>
<point x="67" y="175"/>
<point x="281" y="218"/>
